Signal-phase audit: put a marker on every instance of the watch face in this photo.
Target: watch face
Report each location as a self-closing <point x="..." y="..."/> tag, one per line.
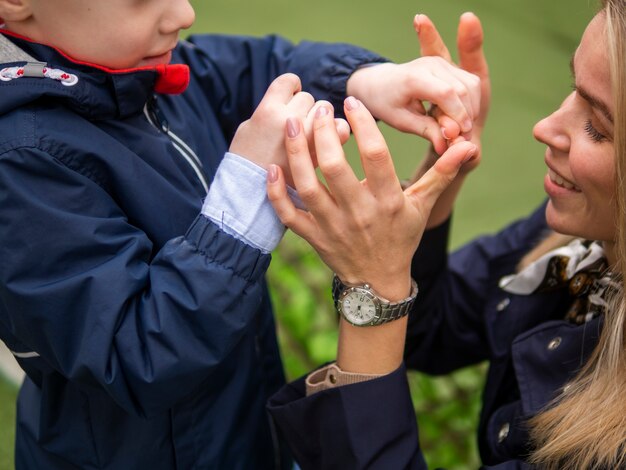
<point x="359" y="306"/>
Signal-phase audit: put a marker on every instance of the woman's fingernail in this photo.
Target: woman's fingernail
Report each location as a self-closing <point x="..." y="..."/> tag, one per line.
<point x="351" y="103"/>
<point x="469" y="155"/>
<point x="416" y="22"/>
<point x="321" y="111"/>
<point x="293" y="127"/>
<point x="467" y="125"/>
<point x="443" y="133"/>
<point x="272" y="174"/>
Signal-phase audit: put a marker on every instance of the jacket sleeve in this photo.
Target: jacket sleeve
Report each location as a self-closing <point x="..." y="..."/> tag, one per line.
<point x="447" y="326"/>
<point x="235" y="71"/>
<point x="83" y="291"/>
<point x="368" y="425"/>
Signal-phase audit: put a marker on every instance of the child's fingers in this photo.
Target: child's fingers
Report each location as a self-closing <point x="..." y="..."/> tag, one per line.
<point x="282" y="89"/>
<point x="311" y="191"/>
<point x="425" y="192"/>
<point x="458" y="87"/>
<point x="430" y="41"/>
<point x="300" y="104"/>
<point x="292" y="217"/>
<point x="471" y="83"/>
<point x="343" y="130"/>
<point x="375" y="156"/>
<point x="341" y="180"/>
<point x="450" y="95"/>
<point x="418" y="124"/>
<point x="450" y="129"/>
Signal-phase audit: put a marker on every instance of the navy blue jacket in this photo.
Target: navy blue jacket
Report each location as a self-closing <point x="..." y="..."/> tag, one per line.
<point x="461" y="317"/>
<point x="145" y="331"/>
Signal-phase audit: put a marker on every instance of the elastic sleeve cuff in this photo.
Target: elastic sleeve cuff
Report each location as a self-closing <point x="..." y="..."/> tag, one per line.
<point x="237" y="202"/>
<point x="332" y="376"/>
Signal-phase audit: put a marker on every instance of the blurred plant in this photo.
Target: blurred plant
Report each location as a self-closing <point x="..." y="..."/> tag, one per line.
<point x="447" y="407"/>
<point x="8" y="394"/>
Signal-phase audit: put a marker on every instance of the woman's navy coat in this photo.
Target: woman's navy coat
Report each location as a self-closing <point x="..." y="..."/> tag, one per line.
<point x="146" y="332"/>
<point x="462" y="317"/>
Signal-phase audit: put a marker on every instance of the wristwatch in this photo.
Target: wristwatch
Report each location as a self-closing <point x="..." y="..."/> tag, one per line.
<point x="361" y="306"/>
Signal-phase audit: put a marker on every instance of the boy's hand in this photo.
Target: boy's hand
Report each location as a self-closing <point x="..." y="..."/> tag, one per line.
<point x="394" y="93"/>
<point x="260" y="139"/>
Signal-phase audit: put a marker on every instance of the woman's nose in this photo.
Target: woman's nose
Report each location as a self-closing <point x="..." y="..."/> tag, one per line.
<point x="553" y="129"/>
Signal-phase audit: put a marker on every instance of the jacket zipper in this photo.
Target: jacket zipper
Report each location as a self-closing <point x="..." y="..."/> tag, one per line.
<point x="155" y="117"/>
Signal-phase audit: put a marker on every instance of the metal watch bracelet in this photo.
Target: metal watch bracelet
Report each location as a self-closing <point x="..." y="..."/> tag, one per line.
<point x="390" y="311"/>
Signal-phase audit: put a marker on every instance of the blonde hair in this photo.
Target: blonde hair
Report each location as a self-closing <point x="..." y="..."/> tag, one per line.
<point x="585" y="427"/>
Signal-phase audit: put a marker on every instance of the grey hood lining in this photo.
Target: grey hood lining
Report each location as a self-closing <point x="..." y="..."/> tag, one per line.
<point x="9" y="52"/>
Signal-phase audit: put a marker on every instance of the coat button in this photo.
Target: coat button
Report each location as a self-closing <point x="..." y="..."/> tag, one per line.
<point x="332" y="379"/>
<point x="504" y="303"/>
<point x="554" y="343"/>
<point x="503" y="433"/>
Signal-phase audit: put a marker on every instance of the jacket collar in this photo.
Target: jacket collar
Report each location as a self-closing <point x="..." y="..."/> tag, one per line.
<point x="98" y="92"/>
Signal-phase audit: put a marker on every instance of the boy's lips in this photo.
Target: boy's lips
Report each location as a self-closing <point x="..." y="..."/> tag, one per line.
<point x="164" y="58"/>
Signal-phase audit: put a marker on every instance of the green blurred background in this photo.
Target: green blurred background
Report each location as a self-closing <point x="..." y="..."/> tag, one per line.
<point x="529" y="44"/>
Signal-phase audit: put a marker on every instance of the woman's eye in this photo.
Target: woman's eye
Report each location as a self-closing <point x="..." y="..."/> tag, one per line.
<point x="593" y="132"/>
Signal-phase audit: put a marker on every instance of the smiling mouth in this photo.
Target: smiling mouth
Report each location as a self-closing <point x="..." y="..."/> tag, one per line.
<point x="560" y="181"/>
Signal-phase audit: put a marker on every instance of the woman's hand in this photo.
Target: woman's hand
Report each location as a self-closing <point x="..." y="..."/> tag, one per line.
<point x="366" y="231"/>
<point x="471" y="59"/>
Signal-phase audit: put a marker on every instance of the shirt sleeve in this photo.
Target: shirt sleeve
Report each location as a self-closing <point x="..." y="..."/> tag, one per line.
<point x="331" y="376"/>
<point x="237" y="202"/>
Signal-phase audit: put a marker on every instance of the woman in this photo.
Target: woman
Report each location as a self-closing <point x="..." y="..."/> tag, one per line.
<point x="543" y="300"/>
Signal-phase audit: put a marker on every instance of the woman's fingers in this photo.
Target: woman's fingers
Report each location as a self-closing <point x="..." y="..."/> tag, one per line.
<point x="429" y="38"/>
<point x="297" y="220"/>
<point x="375" y="157"/>
<point x="470" y="45"/>
<point x="340" y="178"/>
<point x="311" y="191"/>
<point x="472" y="58"/>
<point x="425" y="192"/>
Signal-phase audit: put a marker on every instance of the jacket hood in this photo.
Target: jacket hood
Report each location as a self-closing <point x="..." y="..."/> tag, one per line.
<point x="30" y="71"/>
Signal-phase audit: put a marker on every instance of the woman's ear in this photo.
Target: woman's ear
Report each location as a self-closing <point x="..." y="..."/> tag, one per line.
<point x="15" y="10"/>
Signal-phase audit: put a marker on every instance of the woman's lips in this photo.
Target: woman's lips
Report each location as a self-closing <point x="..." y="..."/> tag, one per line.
<point x="562" y="182"/>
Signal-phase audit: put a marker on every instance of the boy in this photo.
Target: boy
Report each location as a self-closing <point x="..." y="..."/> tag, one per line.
<point x="139" y="312"/>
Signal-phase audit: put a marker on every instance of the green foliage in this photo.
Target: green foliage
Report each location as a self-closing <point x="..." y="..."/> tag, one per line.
<point x="8" y="394"/>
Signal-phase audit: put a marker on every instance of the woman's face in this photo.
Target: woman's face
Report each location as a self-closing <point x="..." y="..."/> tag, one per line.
<point x="579" y="136"/>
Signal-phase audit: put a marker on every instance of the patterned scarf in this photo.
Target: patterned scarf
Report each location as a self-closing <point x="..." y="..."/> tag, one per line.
<point x="581" y="267"/>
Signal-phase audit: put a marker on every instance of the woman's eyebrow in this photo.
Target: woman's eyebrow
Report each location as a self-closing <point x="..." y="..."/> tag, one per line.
<point x="592" y="100"/>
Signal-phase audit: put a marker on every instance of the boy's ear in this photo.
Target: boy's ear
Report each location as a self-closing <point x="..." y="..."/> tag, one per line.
<point x="15" y="10"/>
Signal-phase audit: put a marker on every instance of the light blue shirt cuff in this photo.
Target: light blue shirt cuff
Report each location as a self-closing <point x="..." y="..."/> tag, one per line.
<point x="237" y="202"/>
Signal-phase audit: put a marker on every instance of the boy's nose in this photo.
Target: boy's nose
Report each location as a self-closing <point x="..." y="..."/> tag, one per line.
<point x="181" y="15"/>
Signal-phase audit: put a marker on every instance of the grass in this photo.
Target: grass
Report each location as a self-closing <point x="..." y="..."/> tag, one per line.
<point x="528" y="44"/>
<point x="8" y="394"/>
